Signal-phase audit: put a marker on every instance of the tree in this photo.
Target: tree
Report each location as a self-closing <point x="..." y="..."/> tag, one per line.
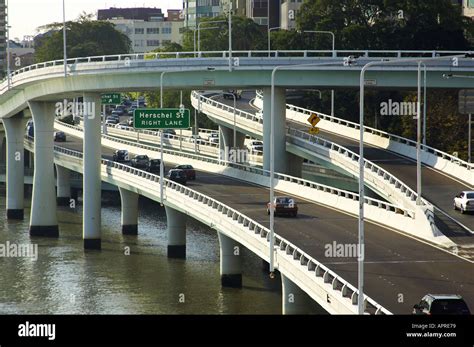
<point x="246" y="35"/>
<point x="85" y="37"/>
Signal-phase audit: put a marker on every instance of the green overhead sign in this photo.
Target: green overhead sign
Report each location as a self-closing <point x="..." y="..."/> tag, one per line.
<point x="111" y="99"/>
<point x="161" y="118"/>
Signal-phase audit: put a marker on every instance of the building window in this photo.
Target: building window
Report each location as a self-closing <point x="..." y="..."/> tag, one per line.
<point x="139" y="31"/>
<point x="166" y="30"/>
<point x="138" y="43"/>
<point x="152" y="43"/>
<point x="152" y="31"/>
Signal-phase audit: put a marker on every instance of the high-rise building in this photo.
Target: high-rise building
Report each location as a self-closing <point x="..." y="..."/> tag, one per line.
<point x="3" y="37"/>
<point x="289" y="9"/>
<point x="147" y="28"/>
<point x="260" y="11"/>
<point x="196" y="9"/>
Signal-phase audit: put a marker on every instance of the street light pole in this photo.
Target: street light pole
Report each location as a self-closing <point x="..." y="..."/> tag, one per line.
<point x="64" y="39"/>
<point x="269" y="39"/>
<point x="418" y="138"/>
<point x="230" y="35"/>
<point x="181" y="106"/>
<point x="199" y="31"/>
<point x="8" y="45"/>
<point x="333" y="54"/>
<point x="469" y="144"/>
<point x="162" y="167"/>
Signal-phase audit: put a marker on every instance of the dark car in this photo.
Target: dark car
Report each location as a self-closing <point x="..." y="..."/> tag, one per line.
<point x="441" y="304"/>
<point x="154" y="166"/>
<point x="188" y="170"/>
<point x="141" y="162"/>
<point x="284" y="205"/>
<point x="59" y="136"/>
<point x="237" y="93"/>
<point x="30" y="130"/>
<point x="121" y="156"/>
<point x="178" y="176"/>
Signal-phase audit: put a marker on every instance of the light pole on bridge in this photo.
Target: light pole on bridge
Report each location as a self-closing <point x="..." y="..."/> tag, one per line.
<point x="333" y="54"/>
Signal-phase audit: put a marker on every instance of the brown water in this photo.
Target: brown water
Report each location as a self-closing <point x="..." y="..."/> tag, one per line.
<point x="66" y="280"/>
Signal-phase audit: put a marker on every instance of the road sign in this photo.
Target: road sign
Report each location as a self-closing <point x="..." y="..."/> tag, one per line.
<point x="314" y="119"/>
<point x="314" y="131"/>
<point x="111" y="99"/>
<point x="161" y="118"/>
<point x="466" y="101"/>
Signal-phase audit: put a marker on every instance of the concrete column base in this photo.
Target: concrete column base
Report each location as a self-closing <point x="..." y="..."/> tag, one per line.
<point x="231" y="281"/>
<point x="93" y="244"/>
<point x="15" y="214"/>
<point x="131" y="229"/>
<point x="63" y="201"/>
<point x="44" y="231"/>
<point x="177" y="251"/>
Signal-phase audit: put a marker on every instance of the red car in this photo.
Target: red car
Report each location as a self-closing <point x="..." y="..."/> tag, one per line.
<point x="284" y="205"/>
<point x="189" y="171"/>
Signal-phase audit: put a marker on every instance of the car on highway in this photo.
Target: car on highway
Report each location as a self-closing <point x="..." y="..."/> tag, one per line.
<point x="121" y="156"/>
<point x="154" y="166"/>
<point x="168" y="133"/>
<point x="284" y="205"/>
<point x="212" y="136"/>
<point x="432" y="304"/>
<point x="214" y="140"/>
<point x="196" y="138"/>
<point x="464" y="201"/>
<point x="141" y="162"/>
<point x="111" y="122"/>
<point x="123" y="125"/>
<point x="59" y="136"/>
<point x="188" y="170"/>
<point x="177" y="175"/>
<point x="255" y="146"/>
<point x="236" y="92"/>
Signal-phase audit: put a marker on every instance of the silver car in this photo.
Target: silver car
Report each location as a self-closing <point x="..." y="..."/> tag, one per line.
<point x="464" y="201"/>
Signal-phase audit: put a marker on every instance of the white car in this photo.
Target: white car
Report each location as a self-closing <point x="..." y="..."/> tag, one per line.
<point x="213" y="136"/>
<point x="464" y="201"/>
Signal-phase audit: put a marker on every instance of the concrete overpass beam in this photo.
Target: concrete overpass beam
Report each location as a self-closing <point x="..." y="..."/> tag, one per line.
<point x="63" y="186"/>
<point x="280" y="129"/>
<point x="15" y="129"/>
<point x="129" y="218"/>
<point x="43" y="221"/>
<point x="176" y="230"/>
<point x="91" y="178"/>
<point x="294" y="300"/>
<point x="231" y="267"/>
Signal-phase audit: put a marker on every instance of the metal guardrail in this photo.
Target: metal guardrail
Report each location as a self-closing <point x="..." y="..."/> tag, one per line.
<point x="248" y="54"/>
<point x="340" y="285"/>
<point x="245" y="168"/>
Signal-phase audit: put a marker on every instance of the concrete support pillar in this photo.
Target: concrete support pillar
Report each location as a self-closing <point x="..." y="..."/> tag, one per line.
<point x="15" y="129"/>
<point x="63" y="192"/>
<point x="295" y="165"/>
<point x="226" y="137"/>
<point x="2" y="147"/>
<point x="294" y="300"/>
<point x="280" y="129"/>
<point x="129" y="218"/>
<point x="43" y="221"/>
<point x="91" y="179"/>
<point x="176" y="229"/>
<point x="231" y="266"/>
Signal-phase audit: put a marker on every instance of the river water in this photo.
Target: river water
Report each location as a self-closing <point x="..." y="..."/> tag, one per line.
<point x="66" y="280"/>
